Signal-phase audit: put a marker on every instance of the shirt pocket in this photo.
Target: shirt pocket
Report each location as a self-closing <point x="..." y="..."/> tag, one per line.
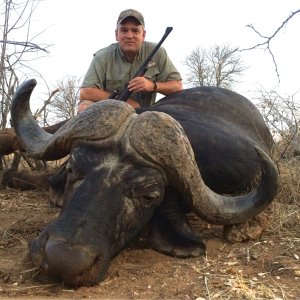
<point x="152" y="73"/>
<point x="114" y="85"/>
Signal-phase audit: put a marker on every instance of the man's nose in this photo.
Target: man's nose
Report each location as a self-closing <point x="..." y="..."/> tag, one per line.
<point x="129" y="34"/>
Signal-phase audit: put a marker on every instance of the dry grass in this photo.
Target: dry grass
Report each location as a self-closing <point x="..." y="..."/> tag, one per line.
<point x="285" y="210"/>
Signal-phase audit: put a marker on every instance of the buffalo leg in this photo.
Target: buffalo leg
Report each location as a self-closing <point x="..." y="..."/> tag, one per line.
<point x="170" y="232"/>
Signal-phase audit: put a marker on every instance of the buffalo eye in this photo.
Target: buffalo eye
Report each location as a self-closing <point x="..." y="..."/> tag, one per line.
<point x="147" y="192"/>
<point x="144" y="184"/>
<point x="146" y="195"/>
<point x="75" y="176"/>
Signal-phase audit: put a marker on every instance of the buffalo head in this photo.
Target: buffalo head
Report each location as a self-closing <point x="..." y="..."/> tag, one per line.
<point x="120" y="165"/>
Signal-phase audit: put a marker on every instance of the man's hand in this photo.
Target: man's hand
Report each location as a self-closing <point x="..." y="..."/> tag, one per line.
<point x="141" y="84"/>
<point x="133" y="103"/>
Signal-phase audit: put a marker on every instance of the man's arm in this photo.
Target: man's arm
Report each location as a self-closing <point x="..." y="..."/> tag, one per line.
<point x="168" y="87"/>
<point x="142" y="84"/>
<point x="95" y="94"/>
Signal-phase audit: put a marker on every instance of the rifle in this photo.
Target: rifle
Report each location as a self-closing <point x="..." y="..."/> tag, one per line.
<point x="125" y="93"/>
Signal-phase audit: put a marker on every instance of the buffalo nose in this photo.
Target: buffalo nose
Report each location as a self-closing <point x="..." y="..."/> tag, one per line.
<point x="64" y="260"/>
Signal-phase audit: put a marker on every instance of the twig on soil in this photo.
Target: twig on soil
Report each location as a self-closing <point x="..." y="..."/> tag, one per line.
<point x="30" y="270"/>
<point x="5" y="231"/>
<point x="248" y="258"/>
<point x="206" y="286"/>
<point x="43" y="286"/>
<point x="284" y="297"/>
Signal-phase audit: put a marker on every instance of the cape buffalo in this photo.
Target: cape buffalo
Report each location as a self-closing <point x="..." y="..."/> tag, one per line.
<point x="128" y="169"/>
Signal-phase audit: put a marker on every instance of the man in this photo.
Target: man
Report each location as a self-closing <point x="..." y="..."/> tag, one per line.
<point x="114" y="66"/>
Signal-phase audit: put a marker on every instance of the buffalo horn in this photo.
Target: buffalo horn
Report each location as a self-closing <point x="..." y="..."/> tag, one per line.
<point x="164" y="142"/>
<point x="105" y="120"/>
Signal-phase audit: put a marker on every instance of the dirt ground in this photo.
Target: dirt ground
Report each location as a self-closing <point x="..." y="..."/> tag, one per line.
<point x="268" y="268"/>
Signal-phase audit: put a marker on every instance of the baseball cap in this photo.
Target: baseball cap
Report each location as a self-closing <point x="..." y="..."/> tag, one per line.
<point x="131" y="13"/>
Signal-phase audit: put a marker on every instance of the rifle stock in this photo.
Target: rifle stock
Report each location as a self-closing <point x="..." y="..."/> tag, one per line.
<point x="125" y="93"/>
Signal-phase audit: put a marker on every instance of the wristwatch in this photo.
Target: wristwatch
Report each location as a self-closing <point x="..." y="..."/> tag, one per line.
<point x="155" y="85"/>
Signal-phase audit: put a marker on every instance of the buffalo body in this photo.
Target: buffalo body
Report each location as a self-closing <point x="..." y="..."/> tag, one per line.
<point x="131" y="169"/>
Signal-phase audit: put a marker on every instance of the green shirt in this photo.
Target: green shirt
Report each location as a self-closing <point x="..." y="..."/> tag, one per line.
<point x="109" y="70"/>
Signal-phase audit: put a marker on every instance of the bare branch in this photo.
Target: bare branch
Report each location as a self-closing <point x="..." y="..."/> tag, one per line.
<point x="46" y="103"/>
<point x="282" y="117"/>
<point x="15" y="54"/>
<point x="267" y="39"/>
<point x="29" y="45"/>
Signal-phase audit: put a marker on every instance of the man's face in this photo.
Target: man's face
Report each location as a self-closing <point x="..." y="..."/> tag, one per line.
<point x="130" y="35"/>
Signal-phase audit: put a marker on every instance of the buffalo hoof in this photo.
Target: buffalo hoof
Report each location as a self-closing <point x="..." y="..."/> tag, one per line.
<point x="175" y="239"/>
<point x="250" y="230"/>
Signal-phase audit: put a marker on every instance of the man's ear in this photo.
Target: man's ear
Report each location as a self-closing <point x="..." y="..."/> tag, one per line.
<point x="116" y="34"/>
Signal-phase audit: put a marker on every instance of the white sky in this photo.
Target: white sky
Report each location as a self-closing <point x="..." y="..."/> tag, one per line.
<point x="77" y="29"/>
